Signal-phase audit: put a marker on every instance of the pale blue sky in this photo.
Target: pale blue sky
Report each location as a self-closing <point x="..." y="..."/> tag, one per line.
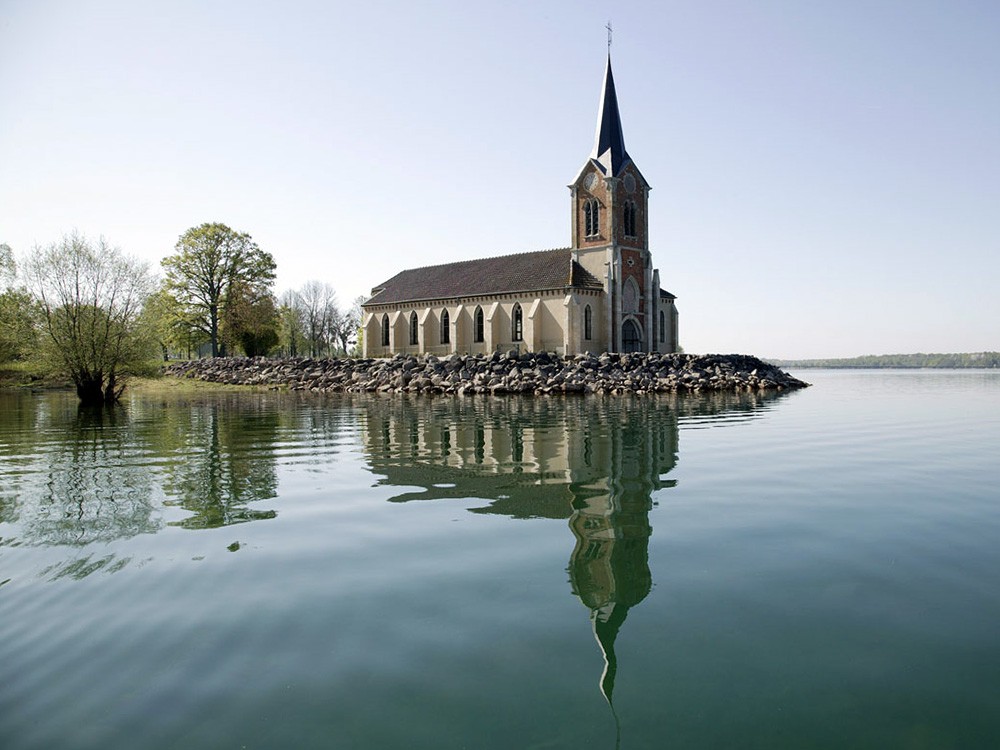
<point x="826" y="176"/>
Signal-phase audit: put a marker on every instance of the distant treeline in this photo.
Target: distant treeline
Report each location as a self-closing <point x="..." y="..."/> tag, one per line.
<point x="974" y="359"/>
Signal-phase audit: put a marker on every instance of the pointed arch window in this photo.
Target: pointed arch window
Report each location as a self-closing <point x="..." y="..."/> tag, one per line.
<point x="385" y="329"/>
<point x="663" y="328"/>
<point x="517" y="323"/>
<point x="629" y="213"/>
<point x="479" y="335"/>
<point x="414" y="329"/>
<point x="588" y="323"/>
<point x="445" y="327"/>
<point x="591" y="217"/>
<point x="630" y="296"/>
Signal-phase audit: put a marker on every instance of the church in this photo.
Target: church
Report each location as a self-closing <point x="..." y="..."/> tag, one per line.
<point x="601" y="294"/>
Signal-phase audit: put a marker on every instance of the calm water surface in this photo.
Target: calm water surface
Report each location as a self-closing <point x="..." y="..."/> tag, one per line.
<point x="815" y="570"/>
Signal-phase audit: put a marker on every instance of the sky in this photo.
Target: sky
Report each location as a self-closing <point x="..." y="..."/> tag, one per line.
<point x="826" y="176"/>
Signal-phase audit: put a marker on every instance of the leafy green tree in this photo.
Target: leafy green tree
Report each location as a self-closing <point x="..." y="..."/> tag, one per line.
<point x="18" y="316"/>
<point x="170" y="324"/>
<point x="209" y="260"/>
<point x="18" y="312"/>
<point x="291" y="326"/>
<point x="251" y="319"/>
<point x="91" y="297"/>
<point x="8" y="269"/>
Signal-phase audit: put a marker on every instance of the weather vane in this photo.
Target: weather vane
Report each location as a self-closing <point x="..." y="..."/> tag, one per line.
<point x="608" y="27"/>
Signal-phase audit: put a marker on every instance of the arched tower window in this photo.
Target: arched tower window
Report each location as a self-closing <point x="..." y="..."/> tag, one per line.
<point x="517" y="323"/>
<point x="385" y="329"/>
<point x="629" y="213"/>
<point x="445" y="327"/>
<point x="630" y="296"/>
<point x="414" y="337"/>
<point x="480" y="326"/>
<point x="591" y="216"/>
<point x="663" y="331"/>
<point x="588" y="323"/>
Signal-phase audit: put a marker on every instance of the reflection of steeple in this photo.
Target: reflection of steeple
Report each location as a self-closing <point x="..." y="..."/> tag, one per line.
<point x="607" y="620"/>
<point x="609" y="567"/>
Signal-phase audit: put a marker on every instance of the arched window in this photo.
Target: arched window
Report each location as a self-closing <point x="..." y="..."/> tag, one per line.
<point x="630" y="296"/>
<point x="628" y="218"/>
<point x="591" y="215"/>
<point x="588" y="323"/>
<point x="480" y="326"/>
<point x="517" y="323"/>
<point x="414" y="329"/>
<point x="445" y="327"/>
<point x="663" y="328"/>
<point x="385" y="329"/>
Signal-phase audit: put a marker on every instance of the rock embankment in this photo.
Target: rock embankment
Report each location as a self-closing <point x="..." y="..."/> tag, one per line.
<point x="500" y="373"/>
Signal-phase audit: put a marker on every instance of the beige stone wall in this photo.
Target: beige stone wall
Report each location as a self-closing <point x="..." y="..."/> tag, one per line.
<point x="549" y="323"/>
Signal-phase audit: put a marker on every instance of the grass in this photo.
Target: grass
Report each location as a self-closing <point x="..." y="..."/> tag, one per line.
<point x="29" y="374"/>
<point x="32" y="376"/>
<point x="162" y="385"/>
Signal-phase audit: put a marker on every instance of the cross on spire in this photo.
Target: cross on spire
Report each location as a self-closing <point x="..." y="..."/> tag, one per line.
<point x="610" y="32"/>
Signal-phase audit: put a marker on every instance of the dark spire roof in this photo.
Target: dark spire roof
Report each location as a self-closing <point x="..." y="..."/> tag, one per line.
<point x="609" y="143"/>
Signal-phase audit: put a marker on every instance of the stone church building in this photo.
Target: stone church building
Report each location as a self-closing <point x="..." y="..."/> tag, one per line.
<point x="600" y="294"/>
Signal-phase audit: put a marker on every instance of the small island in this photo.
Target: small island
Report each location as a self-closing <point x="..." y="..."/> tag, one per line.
<point x="509" y="372"/>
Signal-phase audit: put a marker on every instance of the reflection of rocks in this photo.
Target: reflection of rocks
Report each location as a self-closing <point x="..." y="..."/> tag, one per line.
<point x="502" y="373"/>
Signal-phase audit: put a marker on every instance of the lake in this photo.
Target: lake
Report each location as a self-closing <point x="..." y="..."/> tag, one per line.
<point x="816" y="569"/>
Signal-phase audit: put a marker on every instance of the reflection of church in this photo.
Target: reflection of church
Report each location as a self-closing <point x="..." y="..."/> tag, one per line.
<point x="592" y="461"/>
<point x="585" y="460"/>
<point x="600" y="294"/>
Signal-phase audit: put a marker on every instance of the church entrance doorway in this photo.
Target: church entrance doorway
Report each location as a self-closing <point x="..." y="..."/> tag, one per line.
<point x="631" y="337"/>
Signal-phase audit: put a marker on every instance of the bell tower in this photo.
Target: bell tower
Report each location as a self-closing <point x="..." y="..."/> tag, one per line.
<point x="609" y="218"/>
<point x="609" y="194"/>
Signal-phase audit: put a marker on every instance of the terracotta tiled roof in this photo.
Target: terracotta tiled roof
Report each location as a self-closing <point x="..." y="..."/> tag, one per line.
<point x="524" y="272"/>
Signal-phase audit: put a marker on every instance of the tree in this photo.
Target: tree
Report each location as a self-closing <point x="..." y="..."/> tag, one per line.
<point x="91" y="297"/>
<point x="18" y="314"/>
<point x="170" y="325"/>
<point x="209" y="260"/>
<point x="318" y="305"/>
<point x="17" y="311"/>
<point x="291" y="325"/>
<point x="251" y="319"/>
<point x="347" y="324"/>
<point x="8" y="269"/>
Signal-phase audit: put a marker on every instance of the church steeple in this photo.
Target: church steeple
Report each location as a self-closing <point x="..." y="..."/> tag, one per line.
<point x="609" y="142"/>
<point x="609" y="192"/>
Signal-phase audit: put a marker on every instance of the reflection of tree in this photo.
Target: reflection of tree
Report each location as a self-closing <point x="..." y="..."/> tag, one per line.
<point x="223" y="460"/>
<point x="19" y="432"/>
<point x="77" y="476"/>
<point x="89" y="486"/>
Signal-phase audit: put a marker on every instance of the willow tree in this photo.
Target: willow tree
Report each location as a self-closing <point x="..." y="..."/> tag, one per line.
<point x="91" y="297"/>
<point x="210" y="262"/>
